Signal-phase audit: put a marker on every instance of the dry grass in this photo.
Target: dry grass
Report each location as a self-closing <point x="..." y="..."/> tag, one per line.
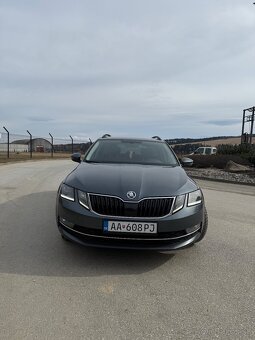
<point x="216" y="142"/>
<point x="232" y="141"/>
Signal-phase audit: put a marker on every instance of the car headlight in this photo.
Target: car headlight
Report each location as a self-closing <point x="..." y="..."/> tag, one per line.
<point x="67" y="192"/>
<point x="194" y="198"/>
<point x="83" y="199"/>
<point x="179" y="203"/>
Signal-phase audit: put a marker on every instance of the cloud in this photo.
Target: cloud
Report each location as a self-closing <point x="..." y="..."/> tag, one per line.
<point x="126" y="67"/>
<point x="40" y="119"/>
<point x="223" y="122"/>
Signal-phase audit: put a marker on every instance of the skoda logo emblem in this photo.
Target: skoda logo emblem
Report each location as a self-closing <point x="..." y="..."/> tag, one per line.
<point x="131" y="195"/>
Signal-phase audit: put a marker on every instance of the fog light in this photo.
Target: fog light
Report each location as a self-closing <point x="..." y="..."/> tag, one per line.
<point x="193" y="229"/>
<point x="66" y="223"/>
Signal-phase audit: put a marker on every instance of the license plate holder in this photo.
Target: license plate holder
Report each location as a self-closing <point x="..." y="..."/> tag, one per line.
<point x="133" y="227"/>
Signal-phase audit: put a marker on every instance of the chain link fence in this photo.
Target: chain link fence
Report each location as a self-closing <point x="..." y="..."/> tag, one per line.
<point x="22" y="147"/>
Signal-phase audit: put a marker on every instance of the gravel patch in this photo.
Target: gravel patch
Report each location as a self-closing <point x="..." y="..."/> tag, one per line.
<point x="222" y="175"/>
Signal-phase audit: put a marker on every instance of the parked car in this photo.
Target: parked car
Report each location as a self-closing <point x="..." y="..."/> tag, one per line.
<point x="205" y="150"/>
<point x="131" y="193"/>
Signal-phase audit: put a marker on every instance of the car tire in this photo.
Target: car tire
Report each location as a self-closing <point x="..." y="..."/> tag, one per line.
<point x="204" y="227"/>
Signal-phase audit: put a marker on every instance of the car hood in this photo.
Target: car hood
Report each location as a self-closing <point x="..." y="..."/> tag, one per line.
<point x="118" y="179"/>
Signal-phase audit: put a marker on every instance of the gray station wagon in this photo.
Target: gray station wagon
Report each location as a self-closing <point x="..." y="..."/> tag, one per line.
<point x="131" y="193"/>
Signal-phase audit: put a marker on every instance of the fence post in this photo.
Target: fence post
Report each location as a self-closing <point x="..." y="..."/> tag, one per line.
<point x="252" y="122"/>
<point x="72" y="142"/>
<point x="51" y="144"/>
<point x="31" y="145"/>
<point x="8" y="142"/>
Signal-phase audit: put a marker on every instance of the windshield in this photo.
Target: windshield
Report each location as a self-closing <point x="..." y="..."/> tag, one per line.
<point x="131" y="152"/>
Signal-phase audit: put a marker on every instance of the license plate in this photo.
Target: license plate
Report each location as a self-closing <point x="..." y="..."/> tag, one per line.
<point x="130" y="227"/>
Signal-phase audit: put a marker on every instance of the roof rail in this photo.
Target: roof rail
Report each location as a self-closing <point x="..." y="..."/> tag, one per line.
<point x="106" y="135"/>
<point x="156" y="137"/>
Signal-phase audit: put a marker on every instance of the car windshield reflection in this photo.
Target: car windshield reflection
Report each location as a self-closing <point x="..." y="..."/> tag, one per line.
<point x="130" y="152"/>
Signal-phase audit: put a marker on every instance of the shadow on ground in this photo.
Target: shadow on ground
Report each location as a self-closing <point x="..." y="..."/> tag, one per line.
<point x="31" y="245"/>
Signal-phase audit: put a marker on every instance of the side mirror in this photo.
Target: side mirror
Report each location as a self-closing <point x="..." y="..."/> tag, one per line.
<point x="76" y="157"/>
<point x="185" y="161"/>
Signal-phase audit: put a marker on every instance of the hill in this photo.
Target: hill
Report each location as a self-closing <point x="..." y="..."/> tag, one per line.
<point x="211" y="141"/>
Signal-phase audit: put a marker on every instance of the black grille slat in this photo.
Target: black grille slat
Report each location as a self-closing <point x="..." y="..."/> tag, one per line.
<point x="164" y="205"/>
<point x="148" y="207"/>
<point x="161" y="206"/>
<point x="103" y="205"/>
<point x="154" y="207"/>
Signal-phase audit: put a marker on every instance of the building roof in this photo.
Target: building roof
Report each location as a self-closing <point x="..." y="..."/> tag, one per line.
<point x="27" y="141"/>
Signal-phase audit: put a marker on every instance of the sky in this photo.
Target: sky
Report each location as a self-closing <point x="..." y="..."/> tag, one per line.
<point x="129" y="68"/>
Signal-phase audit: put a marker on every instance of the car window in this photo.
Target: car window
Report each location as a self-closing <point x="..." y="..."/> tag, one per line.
<point x="207" y="151"/>
<point x="132" y="152"/>
<point x="199" y="151"/>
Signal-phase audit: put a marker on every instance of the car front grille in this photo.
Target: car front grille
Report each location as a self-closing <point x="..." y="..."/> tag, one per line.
<point x="114" y="206"/>
<point x="106" y="205"/>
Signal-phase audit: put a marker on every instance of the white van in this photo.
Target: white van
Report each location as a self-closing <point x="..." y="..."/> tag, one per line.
<point x="205" y="150"/>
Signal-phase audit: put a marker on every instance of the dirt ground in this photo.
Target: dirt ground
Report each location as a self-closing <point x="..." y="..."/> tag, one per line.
<point x="23" y="156"/>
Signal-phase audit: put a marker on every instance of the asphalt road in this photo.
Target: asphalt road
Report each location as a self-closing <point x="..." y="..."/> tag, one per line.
<point x="52" y="289"/>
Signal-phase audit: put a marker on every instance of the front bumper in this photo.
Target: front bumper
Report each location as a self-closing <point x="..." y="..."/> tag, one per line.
<point x="176" y="231"/>
<point x="110" y="242"/>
